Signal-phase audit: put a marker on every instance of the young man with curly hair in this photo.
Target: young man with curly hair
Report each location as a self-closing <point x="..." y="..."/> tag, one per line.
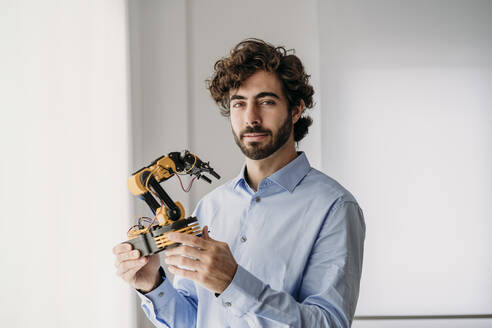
<point x="287" y="241"/>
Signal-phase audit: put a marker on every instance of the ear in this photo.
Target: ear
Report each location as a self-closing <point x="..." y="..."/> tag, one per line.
<point x="297" y="111"/>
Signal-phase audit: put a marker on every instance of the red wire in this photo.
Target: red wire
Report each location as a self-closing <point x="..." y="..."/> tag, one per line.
<point x="181" y="183"/>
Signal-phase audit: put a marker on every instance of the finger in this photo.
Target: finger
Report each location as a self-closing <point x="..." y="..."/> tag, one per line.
<point x="183" y="261"/>
<point x="184" y="250"/>
<point x="192" y="275"/>
<point x="127" y="276"/>
<point x="187" y="239"/>
<point x="128" y="265"/>
<point x="132" y="255"/>
<point x="123" y="267"/>
<point x="205" y="234"/>
<point x="121" y="248"/>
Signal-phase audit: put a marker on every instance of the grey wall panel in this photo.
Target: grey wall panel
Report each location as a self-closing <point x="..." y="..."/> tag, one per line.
<point x="215" y="27"/>
<point x="407" y="86"/>
<point x="174" y="45"/>
<point x="434" y="323"/>
<point x="402" y="119"/>
<point x="160" y="121"/>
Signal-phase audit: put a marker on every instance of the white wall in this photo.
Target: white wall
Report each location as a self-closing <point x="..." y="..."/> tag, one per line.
<point x="64" y="159"/>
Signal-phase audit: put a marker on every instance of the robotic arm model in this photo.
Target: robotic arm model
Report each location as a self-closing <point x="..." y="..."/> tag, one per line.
<point x="170" y="215"/>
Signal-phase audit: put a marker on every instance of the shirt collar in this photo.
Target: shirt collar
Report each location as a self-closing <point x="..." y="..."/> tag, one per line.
<point x="288" y="177"/>
<point x="240" y="178"/>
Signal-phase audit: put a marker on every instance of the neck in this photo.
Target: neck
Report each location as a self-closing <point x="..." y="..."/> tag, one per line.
<point x="257" y="170"/>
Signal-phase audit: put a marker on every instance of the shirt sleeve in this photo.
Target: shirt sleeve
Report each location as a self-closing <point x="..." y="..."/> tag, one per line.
<point x="329" y="288"/>
<point x="168" y="306"/>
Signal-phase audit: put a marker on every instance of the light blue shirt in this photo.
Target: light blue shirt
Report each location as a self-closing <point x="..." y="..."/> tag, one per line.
<point x="298" y="242"/>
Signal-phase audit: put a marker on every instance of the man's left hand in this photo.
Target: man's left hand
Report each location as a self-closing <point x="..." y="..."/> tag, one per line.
<point x="212" y="262"/>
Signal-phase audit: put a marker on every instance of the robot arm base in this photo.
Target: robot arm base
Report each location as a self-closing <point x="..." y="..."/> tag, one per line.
<point x="155" y="240"/>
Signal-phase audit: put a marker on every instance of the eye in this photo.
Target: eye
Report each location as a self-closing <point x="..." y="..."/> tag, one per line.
<point x="237" y="105"/>
<point x="267" y="102"/>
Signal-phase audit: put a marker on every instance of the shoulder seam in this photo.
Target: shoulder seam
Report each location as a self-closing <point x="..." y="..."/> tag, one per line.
<point x="344" y="202"/>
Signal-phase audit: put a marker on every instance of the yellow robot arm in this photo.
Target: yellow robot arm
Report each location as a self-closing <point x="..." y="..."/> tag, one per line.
<point x="145" y="184"/>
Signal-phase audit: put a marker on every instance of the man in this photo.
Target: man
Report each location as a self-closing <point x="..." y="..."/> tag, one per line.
<point x="287" y="241"/>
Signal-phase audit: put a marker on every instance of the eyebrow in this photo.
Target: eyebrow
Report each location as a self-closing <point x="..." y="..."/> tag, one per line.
<point x="260" y="95"/>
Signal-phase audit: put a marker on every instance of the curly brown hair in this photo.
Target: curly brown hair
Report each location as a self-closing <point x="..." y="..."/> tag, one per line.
<point x="252" y="55"/>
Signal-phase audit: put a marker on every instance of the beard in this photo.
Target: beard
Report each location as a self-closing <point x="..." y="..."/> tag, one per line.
<point x="254" y="150"/>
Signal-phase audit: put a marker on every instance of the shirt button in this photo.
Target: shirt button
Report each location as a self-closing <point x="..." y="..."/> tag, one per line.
<point x="227" y="304"/>
<point x="257" y="199"/>
<point x="243" y="239"/>
<point x="161" y="294"/>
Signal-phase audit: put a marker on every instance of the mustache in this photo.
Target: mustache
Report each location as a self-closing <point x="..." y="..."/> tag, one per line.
<point x="254" y="129"/>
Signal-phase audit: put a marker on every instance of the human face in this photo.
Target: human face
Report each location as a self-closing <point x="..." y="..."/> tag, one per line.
<point x="260" y="121"/>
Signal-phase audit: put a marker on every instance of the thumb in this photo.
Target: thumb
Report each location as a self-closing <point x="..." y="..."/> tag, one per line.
<point x="205" y="234"/>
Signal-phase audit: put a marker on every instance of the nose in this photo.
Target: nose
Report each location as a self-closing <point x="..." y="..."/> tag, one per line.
<point x="252" y="115"/>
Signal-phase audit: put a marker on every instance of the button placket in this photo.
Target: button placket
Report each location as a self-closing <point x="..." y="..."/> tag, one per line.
<point x="245" y="228"/>
<point x="243" y="224"/>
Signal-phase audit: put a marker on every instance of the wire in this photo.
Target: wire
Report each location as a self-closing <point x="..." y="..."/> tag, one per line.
<point x="150" y="175"/>
<point x="150" y="224"/>
<point x="144" y="218"/>
<point x="189" y="185"/>
<point x="140" y="226"/>
<point x="132" y="227"/>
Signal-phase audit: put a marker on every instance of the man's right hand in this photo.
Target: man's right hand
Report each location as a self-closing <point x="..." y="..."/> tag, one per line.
<point x="141" y="272"/>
